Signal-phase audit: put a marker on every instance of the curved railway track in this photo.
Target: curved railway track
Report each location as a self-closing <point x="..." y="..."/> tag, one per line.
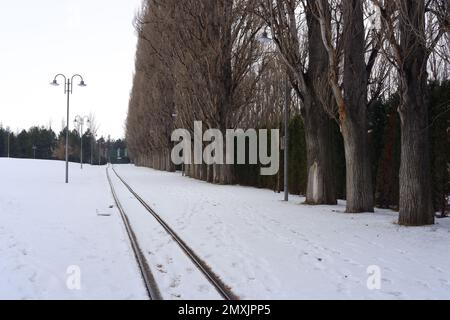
<point x="147" y="276"/>
<point x="215" y="281"/>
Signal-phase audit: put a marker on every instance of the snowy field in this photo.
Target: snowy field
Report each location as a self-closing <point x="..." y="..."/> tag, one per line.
<point x="51" y="232"/>
<point x="261" y="247"/>
<point x="264" y="248"/>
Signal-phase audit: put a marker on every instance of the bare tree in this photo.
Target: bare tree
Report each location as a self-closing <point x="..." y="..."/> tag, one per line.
<point x="307" y="64"/>
<point x="352" y="54"/>
<point x="413" y="29"/>
<point x="194" y="60"/>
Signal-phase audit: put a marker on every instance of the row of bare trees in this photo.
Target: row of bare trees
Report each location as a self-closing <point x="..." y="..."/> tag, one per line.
<point x="201" y="60"/>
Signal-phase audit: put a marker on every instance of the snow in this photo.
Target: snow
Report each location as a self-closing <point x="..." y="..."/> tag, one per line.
<point x="260" y="246"/>
<point x="177" y="277"/>
<point x="48" y="228"/>
<point x="264" y="248"/>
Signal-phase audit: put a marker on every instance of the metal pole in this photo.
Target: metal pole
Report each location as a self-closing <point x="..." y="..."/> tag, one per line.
<point x="81" y="142"/>
<point x="67" y="132"/>
<point x="287" y="101"/>
<point x="68" y="89"/>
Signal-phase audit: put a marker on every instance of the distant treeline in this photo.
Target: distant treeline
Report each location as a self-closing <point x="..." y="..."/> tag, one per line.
<point x="43" y="143"/>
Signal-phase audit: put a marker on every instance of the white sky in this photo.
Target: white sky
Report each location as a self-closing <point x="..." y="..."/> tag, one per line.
<point x="39" y="39"/>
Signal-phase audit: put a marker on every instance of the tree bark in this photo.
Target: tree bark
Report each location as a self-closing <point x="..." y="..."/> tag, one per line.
<point x="416" y="206"/>
<point x="353" y="114"/>
<point x="359" y="175"/>
<point x="225" y="83"/>
<point x="216" y="173"/>
<point x="321" y="181"/>
<point x="204" y="175"/>
<point x="226" y="174"/>
<point x="170" y="165"/>
<point x="210" y="173"/>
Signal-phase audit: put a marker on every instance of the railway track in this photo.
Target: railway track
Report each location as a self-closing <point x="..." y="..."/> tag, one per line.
<point x="224" y="291"/>
<point x="147" y="276"/>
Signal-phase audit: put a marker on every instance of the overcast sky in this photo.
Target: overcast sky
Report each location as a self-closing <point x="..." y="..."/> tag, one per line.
<point x="39" y="39"/>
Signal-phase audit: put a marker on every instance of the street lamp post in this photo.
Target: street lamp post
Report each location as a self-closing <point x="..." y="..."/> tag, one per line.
<point x="80" y="121"/>
<point x="68" y="90"/>
<point x="34" y="152"/>
<point x="264" y="39"/>
<point x="287" y="105"/>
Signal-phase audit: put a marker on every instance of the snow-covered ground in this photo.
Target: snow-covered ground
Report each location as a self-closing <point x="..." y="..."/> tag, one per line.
<point x="261" y="247"/>
<point x="177" y="277"/>
<point x="54" y="237"/>
<point x="264" y="248"/>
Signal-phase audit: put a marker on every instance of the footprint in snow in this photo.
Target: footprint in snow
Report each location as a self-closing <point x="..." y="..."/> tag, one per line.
<point x="342" y="288"/>
<point x="175" y="282"/>
<point x="32" y="278"/>
<point x="445" y="283"/>
<point x="352" y="262"/>
<point x="423" y="284"/>
<point x="437" y="269"/>
<point x="160" y="268"/>
<point x="203" y="288"/>
<point x="395" y="294"/>
<point x="19" y="267"/>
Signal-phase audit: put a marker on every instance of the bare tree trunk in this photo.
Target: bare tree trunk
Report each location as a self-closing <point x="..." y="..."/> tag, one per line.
<point x="359" y="175"/>
<point x="226" y="174"/>
<point x="222" y="29"/>
<point x="210" y="174"/>
<point x="353" y="115"/>
<point x="216" y="173"/>
<point x="170" y="165"/>
<point x="198" y="171"/>
<point x="416" y="206"/>
<point x="321" y="180"/>
<point x="204" y="175"/>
